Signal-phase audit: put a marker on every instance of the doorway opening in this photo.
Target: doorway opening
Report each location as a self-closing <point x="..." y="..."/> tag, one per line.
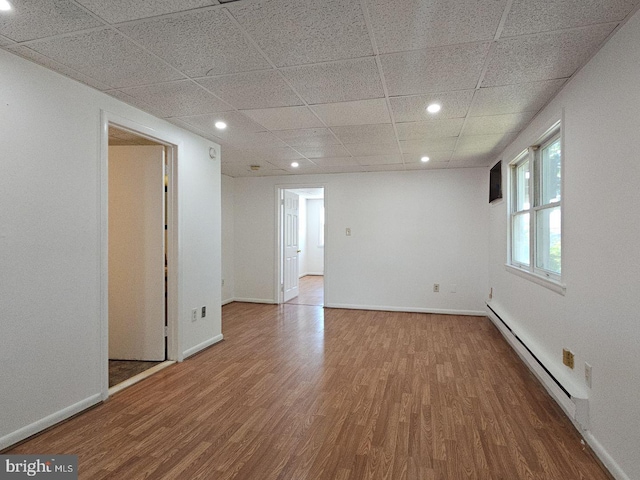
<point x="139" y="208"/>
<point x="301" y="245"/>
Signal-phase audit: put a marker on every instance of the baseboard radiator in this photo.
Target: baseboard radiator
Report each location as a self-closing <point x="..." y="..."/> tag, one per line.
<point x="574" y="402"/>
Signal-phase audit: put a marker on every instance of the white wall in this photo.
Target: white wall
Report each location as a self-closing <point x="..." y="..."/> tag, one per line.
<point x="228" y="267"/>
<point x="314" y="260"/>
<point x="51" y="363"/>
<point x="598" y="316"/>
<point x="409" y="230"/>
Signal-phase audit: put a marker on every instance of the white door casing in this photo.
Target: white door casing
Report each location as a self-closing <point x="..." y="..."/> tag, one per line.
<point x="136" y="253"/>
<point x="291" y="245"/>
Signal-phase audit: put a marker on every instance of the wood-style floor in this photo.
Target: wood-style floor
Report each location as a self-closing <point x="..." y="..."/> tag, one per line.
<point x="298" y="392"/>
<point x="311" y="291"/>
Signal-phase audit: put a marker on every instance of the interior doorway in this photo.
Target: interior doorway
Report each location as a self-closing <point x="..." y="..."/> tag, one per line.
<point x="138" y="227"/>
<point x="301" y="245"/>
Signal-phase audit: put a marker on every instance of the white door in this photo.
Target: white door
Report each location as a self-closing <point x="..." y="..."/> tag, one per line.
<point x="136" y="253"/>
<point x="291" y="245"/>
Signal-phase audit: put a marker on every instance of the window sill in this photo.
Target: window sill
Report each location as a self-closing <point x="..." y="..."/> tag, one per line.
<point x="557" y="287"/>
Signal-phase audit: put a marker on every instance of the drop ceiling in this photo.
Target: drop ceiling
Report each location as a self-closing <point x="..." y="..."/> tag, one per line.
<point x="334" y="85"/>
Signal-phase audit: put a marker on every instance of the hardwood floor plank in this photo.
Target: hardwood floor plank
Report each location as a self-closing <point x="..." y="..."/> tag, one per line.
<point x="299" y="392"/>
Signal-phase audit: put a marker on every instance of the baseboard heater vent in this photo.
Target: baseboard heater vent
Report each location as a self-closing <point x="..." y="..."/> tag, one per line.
<point x="573" y="401"/>
<point x="555" y="380"/>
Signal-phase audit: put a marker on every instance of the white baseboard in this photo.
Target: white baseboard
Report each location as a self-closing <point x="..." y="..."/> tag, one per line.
<point x="229" y="300"/>
<point x="49" y="421"/>
<point x="561" y="398"/>
<point x="314" y="274"/>
<point x="605" y="458"/>
<point x="575" y="407"/>
<point x="255" y="300"/>
<point x="407" y="309"/>
<point x="202" y="346"/>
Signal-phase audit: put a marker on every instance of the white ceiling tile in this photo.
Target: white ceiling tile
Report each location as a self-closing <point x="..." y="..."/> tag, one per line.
<point x="391" y="167"/>
<point x="511" y="122"/>
<point x="427" y="166"/>
<point x="429" y="146"/>
<point x="469" y="159"/>
<point x="434" y="157"/>
<point x="286" y="164"/>
<point x="135" y="102"/>
<point x="544" y="56"/>
<point x="32" y="19"/>
<point x="323" y="151"/>
<point x="479" y="143"/>
<point x="446" y="127"/>
<point x="178" y="99"/>
<point x="440" y="69"/>
<point x="369" y="149"/>
<point x="483" y="145"/>
<point x="354" y="113"/>
<point x="336" y="82"/>
<point x="251" y="139"/>
<point x="335" y="161"/>
<point x="343" y="169"/>
<point x="107" y="56"/>
<point x="413" y="108"/>
<point x="379" y="159"/>
<point x="250" y="155"/>
<point x="292" y="32"/>
<point x="115" y="11"/>
<point x="373" y="134"/>
<point x="310" y="137"/>
<point x="525" y="97"/>
<point x="4" y="41"/>
<point x="241" y="132"/>
<point x="26" y="52"/>
<point x="533" y="16"/>
<point x="198" y="43"/>
<point x="245" y="171"/>
<point x="263" y="89"/>
<point x="284" y="118"/>
<point x="401" y="25"/>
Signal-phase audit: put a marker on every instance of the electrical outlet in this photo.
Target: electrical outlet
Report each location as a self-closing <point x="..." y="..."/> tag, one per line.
<point x="194" y="314"/>
<point x="587" y="374"/>
<point x="348" y="232"/>
<point x="568" y="358"/>
<point x="204" y="312"/>
<point x="436" y="288"/>
<point x="490" y="293"/>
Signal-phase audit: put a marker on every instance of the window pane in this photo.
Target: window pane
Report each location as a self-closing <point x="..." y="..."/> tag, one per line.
<point x="522" y="186"/>
<point x="551" y="171"/>
<point x="548" y="239"/>
<point x="520" y="246"/>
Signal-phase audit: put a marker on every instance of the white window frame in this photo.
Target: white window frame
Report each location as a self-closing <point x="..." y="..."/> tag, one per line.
<point x="532" y="272"/>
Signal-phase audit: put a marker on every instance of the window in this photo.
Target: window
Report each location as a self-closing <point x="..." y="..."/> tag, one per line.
<point x="536" y="208"/>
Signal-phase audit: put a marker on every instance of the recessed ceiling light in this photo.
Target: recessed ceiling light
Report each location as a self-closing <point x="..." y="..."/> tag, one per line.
<point x="434" y="108"/>
<point x="220" y="125"/>
<point x="5" y="6"/>
<point x="295" y="164"/>
<point x="424" y="159"/>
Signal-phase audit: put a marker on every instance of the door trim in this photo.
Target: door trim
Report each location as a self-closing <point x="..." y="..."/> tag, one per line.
<point x="173" y="147"/>
<point x="279" y="239"/>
